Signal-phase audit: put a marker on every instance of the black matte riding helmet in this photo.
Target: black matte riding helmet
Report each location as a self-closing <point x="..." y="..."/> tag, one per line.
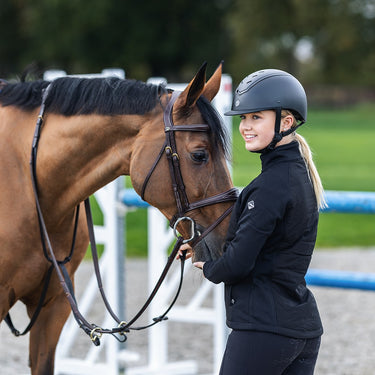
<point x="271" y="89"/>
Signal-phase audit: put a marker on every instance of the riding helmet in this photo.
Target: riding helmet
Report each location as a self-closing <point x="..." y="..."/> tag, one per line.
<point x="269" y="89"/>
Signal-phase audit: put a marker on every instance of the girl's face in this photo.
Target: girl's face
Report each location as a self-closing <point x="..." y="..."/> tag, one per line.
<point x="257" y="129"/>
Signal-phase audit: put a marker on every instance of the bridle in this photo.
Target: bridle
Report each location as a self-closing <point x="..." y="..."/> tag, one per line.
<point x="183" y="206"/>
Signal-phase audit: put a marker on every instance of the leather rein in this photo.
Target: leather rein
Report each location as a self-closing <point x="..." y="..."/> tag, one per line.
<point x="183" y="206"/>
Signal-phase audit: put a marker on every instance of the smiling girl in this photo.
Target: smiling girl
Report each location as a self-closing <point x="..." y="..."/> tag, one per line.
<point x="275" y="322"/>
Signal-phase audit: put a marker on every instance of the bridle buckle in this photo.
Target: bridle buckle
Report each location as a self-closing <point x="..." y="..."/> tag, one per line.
<point x="179" y="220"/>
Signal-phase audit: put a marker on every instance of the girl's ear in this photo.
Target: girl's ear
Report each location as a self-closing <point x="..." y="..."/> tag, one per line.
<point x="287" y="122"/>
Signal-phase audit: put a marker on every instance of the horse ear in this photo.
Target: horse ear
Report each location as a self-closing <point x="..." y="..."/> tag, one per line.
<point x="213" y="85"/>
<point x="194" y="89"/>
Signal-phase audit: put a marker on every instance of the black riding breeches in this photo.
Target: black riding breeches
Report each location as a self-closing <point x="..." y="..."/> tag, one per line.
<point x="263" y="353"/>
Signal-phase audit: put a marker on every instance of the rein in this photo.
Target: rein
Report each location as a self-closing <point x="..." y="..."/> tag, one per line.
<point x="183" y="206"/>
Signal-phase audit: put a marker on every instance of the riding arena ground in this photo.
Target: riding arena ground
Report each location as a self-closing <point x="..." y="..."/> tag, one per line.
<point x="348" y="317"/>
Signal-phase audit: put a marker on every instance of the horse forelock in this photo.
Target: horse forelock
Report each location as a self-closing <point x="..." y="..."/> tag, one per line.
<point x="71" y="96"/>
<point x="219" y="133"/>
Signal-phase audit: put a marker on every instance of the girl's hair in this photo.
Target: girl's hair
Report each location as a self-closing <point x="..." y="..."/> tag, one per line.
<point x="311" y="168"/>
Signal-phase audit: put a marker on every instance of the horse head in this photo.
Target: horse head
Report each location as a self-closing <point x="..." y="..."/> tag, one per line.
<point x="180" y="166"/>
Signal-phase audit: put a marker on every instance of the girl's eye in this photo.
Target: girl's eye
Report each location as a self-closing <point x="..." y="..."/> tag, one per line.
<point x="253" y="117"/>
<point x="199" y="156"/>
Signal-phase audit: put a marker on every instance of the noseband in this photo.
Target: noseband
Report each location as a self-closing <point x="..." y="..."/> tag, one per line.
<point x="182" y="202"/>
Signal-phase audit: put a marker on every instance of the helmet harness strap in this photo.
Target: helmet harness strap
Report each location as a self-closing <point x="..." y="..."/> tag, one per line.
<point x="279" y="135"/>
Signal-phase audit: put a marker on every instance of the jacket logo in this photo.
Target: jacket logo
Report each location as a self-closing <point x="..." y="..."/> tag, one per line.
<point x="250" y="205"/>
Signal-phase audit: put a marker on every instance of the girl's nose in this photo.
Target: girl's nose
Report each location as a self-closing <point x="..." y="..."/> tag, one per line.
<point x="245" y="125"/>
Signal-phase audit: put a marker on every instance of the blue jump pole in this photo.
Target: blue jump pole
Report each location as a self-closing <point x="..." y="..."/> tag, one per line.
<point x="338" y="201"/>
<point x="350" y="201"/>
<point x="341" y="279"/>
<point x="131" y="199"/>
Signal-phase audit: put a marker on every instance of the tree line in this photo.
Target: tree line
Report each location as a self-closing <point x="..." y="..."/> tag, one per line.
<point x="321" y="41"/>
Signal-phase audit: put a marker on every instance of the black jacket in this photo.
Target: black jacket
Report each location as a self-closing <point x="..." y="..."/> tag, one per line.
<point x="270" y="241"/>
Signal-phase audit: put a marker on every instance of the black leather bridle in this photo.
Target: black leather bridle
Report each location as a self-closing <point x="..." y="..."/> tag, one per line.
<point x="183" y="205"/>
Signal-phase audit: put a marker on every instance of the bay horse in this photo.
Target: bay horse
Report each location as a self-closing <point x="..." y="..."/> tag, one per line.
<point x="95" y="130"/>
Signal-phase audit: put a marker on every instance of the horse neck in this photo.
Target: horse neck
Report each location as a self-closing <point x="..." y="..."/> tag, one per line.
<point x="78" y="155"/>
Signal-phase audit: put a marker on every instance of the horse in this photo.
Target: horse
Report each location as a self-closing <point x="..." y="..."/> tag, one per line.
<point x="93" y="131"/>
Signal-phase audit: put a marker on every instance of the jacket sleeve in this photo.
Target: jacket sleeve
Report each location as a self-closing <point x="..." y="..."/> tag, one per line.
<point x="259" y="213"/>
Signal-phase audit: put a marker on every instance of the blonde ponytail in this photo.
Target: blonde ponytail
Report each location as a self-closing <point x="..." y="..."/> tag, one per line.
<point x="311" y="168"/>
<point x="313" y="172"/>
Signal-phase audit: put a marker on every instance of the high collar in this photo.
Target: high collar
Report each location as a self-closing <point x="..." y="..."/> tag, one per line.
<point x="283" y="153"/>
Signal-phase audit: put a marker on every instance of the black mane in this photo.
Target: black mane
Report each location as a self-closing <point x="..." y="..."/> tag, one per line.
<point x="77" y="96"/>
<point x="103" y="96"/>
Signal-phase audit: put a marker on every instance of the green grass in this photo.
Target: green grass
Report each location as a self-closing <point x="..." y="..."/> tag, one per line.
<point x="345" y="157"/>
<point x="136" y="233"/>
<point x="342" y="143"/>
<point x="345" y="230"/>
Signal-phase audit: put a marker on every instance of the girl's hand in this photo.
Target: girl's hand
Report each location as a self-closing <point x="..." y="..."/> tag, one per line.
<point x="199" y="265"/>
<point x="189" y="252"/>
<point x="187" y="248"/>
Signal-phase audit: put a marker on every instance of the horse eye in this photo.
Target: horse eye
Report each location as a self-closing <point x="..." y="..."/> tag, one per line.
<point x="199" y="156"/>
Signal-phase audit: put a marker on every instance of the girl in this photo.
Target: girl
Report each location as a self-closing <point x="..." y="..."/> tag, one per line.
<point x="275" y="322"/>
